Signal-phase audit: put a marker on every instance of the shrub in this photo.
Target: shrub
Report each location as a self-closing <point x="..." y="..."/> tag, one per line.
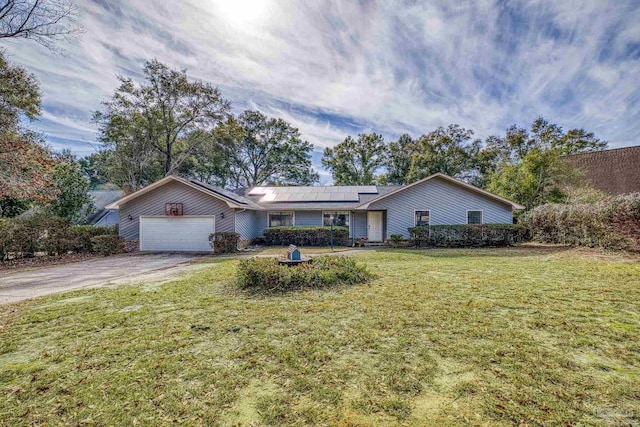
<point x="306" y="236"/>
<point x="224" y="242"/>
<point x="5" y="238"/>
<point x="23" y="237"/>
<point x="55" y="236"/>
<point x="611" y="224"/>
<point x="265" y="275"/>
<point x="84" y="233"/>
<point x="108" y="244"/>
<point x="468" y="235"/>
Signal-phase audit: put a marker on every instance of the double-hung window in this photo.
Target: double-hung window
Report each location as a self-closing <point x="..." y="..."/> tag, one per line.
<point x="280" y="219"/>
<point x="474" y="217"/>
<point x="422" y="218"/>
<point x="340" y="219"/>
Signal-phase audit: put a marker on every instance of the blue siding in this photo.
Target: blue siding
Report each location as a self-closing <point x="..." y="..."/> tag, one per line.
<point x="308" y="218"/>
<point x="359" y="224"/>
<point x="447" y="202"/>
<point x="261" y="222"/>
<point x="247" y="224"/>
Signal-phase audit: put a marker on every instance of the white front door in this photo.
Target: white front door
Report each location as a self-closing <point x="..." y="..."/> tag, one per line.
<point x="374" y="221"/>
<point x="176" y="233"/>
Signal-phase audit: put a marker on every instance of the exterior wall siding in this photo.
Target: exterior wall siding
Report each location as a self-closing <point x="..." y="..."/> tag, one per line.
<point x="194" y="202"/>
<point x="308" y="218"/>
<point x="359" y="228"/>
<point x="448" y="204"/>
<point x="246" y="224"/>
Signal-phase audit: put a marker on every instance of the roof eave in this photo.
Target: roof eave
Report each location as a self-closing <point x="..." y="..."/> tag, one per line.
<point x="513" y="204"/>
<point x="165" y="180"/>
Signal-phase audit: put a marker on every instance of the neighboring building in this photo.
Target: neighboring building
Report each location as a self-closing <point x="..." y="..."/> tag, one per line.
<point x="102" y="216"/>
<point x="175" y="214"/>
<point x="614" y="171"/>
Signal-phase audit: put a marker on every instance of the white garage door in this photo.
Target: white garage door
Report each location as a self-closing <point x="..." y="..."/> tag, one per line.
<point x="176" y="233"/>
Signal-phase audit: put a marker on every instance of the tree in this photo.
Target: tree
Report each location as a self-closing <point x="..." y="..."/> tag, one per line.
<point x="44" y="21"/>
<point x="445" y="150"/>
<point x="93" y="168"/>
<point x="26" y="164"/>
<point x="527" y="164"/>
<point x="73" y="187"/>
<point x="262" y="150"/>
<point x="162" y="115"/>
<point x="398" y="163"/>
<point x="208" y="163"/>
<point x="355" y="162"/>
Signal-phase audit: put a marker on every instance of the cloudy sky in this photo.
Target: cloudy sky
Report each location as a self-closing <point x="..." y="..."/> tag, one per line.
<point x="334" y="68"/>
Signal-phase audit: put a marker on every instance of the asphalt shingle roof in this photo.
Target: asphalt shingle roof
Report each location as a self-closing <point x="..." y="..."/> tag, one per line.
<point x="614" y="171"/>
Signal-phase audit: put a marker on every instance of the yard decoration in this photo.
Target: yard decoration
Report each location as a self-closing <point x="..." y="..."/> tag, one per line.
<point x="293" y="257"/>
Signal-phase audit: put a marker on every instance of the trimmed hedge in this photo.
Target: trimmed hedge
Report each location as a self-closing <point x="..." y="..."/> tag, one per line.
<point x="265" y="275"/>
<point x="84" y="233"/>
<point x="107" y="244"/>
<point x="306" y="236"/>
<point x="23" y="237"/>
<point x="224" y="242"/>
<point x="611" y="224"/>
<point x="468" y="235"/>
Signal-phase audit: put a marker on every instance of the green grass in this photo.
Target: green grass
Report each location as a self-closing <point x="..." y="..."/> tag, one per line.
<point x="524" y="336"/>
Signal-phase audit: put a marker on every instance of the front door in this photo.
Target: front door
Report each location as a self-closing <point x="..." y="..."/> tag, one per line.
<point x="374" y="221"/>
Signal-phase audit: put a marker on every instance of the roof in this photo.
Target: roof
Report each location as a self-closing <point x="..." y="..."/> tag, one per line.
<point x="233" y="200"/>
<point x="317" y="198"/>
<point x="615" y="171"/>
<point x="102" y="198"/>
<point x="450" y="179"/>
<point x="344" y="193"/>
<point x="303" y="198"/>
<point x="228" y="194"/>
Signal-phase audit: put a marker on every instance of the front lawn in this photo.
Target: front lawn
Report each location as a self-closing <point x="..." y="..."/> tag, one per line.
<point x="519" y="336"/>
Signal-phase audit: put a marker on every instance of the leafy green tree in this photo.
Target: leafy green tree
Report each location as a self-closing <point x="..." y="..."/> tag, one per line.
<point x="168" y="115"/>
<point x="528" y="167"/>
<point x="92" y="167"/>
<point x="74" y="200"/>
<point x="26" y="164"/>
<point x="398" y="163"/>
<point x="208" y="163"/>
<point x="259" y="150"/>
<point x="356" y="161"/>
<point x="446" y="150"/>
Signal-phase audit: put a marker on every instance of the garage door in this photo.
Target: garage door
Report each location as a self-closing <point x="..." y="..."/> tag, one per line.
<point x="177" y="233"/>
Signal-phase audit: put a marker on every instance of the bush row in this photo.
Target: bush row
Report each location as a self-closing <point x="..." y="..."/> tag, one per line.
<point x="611" y="224"/>
<point x="23" y="237"/>
<point x="224" y="242"/>
<point x="468" y="235"/>
<point x="306" y="236"/>
<point x="265" y="275"/>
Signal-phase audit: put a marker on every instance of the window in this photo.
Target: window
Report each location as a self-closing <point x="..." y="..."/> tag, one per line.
<point x="422" y="218"/>
<point x="280" y="219"/>
<point x="340" y="219"/>
<point x="474" y="217"/>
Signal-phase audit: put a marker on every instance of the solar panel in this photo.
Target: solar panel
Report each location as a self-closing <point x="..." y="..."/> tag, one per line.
<point x="310" y="194"/>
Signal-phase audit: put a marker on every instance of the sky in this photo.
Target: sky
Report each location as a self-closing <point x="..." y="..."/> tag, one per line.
<point x="338" y="68"/>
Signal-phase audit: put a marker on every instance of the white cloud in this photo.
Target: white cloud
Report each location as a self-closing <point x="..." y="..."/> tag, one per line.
<point x="337" y="67"/>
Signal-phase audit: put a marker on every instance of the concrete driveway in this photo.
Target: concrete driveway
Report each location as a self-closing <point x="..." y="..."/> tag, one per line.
<point x="21" y="285"/>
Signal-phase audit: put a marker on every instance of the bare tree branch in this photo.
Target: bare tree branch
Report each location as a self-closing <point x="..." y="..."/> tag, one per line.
<point x="44" y="21"/>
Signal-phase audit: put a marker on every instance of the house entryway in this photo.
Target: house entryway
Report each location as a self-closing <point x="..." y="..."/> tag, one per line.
<point x="375" y="226"/>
